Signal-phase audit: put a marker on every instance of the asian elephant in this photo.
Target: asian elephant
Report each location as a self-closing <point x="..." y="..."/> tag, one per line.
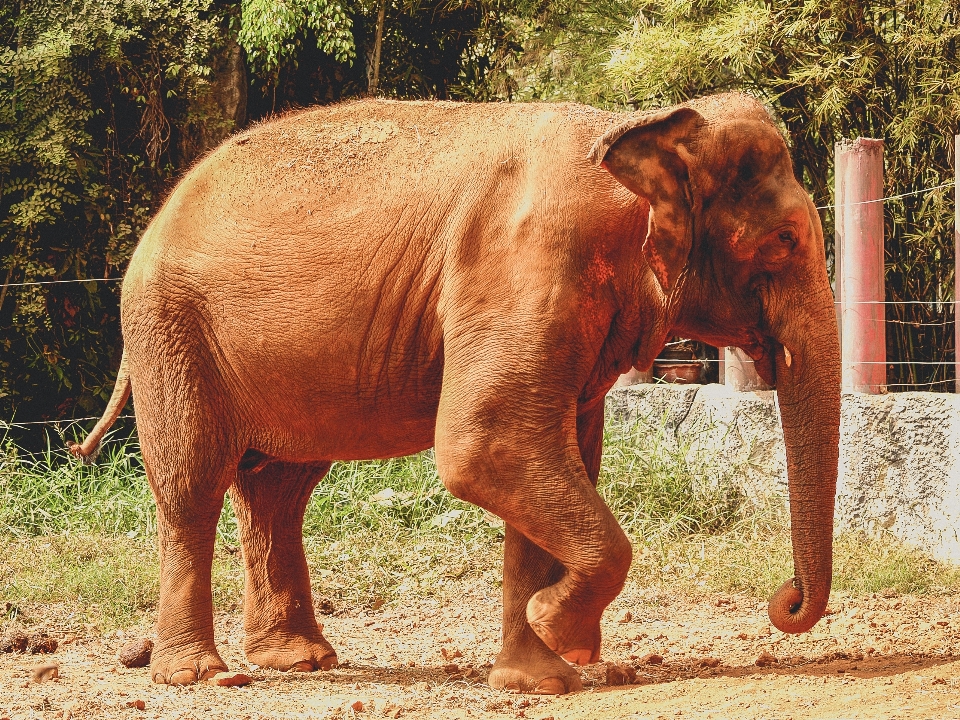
<point x="374" y="278"/>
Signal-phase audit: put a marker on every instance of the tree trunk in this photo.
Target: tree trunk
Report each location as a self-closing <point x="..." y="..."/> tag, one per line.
<point x="375" y="80"/>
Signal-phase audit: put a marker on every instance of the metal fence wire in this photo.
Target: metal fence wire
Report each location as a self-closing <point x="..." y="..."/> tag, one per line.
<point x="903" y="373"/>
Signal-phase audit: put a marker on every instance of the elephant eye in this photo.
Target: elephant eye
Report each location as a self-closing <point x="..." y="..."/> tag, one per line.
<point x="779" y="249"/>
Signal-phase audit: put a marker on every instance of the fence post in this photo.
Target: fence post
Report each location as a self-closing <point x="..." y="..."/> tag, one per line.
<point x="739" y="372"/>
<point x="859" y="236"/>
<point x="956" y="259"/>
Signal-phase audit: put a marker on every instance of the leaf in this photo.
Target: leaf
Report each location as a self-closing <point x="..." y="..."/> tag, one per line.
<point x="446" y="518"/>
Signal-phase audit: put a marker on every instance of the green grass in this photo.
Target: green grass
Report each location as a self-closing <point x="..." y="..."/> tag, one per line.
<point x="51" y="493"/>
<point x="84" y="536"/>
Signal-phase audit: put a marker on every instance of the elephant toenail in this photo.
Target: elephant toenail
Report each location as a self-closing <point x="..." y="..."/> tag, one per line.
<point x="302" y="666"/>
<point x="550" y="686"/>
<point x="580" y="656"/>
<point x="182" y="677"/>
<point x="512" y="687"/>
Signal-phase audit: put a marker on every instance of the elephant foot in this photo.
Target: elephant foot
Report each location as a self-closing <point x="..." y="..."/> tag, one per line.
<point x="291" y="653"/>
<point x="574" y="636"/>
<point x="534" y="671"/>
<point x="170" y="667"/>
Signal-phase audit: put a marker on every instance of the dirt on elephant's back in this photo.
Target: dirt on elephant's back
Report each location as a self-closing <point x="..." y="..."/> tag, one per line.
<point x="872" y="658"/>
<point x="353" y="144"/>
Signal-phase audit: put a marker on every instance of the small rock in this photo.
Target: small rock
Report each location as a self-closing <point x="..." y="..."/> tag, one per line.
<point x="41" y="643"/>
<point x="451" y="668"/>
<point x="625" y="617"/>
<point x="14" y="642"/>
<point x="325" y="606"/>
<point x="138" y="704"/>
<point x="620" y="674"/>
<point x="765" y="659"/>
<point x="136" y="654"/>
<point x="709" y="662"/>
<point x="230" y="679"/>
<point x="392" y="711"/>
<point x="450" y="654"/>
<point x="45" y="671"/>
<point x="356" y="706"/>
<point x="651" y="659"/>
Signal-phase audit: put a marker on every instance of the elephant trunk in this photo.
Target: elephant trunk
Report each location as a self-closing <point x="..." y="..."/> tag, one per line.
<point x="808" y="391"/>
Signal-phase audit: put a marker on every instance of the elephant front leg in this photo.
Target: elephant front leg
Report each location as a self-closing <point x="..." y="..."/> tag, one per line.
<point x="532" y="475"/>
<point x="526" y="664"/>
<point x="278" y="617"/>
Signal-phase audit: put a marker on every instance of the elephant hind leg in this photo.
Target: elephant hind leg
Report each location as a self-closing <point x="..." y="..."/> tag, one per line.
<point x="189" y="473"/>
<point x="270" y="499"/>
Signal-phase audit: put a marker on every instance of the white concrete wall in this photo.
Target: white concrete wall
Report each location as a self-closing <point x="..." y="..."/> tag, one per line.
<point x="899" y="453"/>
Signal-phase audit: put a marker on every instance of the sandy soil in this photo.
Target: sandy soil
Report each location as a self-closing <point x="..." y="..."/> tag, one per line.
<point x="877" y="657"/>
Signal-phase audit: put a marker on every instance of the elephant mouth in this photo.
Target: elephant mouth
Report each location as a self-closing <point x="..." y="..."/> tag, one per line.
<point x="763" y="353"/>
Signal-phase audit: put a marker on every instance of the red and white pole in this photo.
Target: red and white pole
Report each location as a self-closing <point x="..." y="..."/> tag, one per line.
<point x="860" y="282"/>
<point x="956" y="259"/>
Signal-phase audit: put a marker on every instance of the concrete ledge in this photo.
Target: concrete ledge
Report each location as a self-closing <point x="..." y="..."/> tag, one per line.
<point x="899" y="453"/>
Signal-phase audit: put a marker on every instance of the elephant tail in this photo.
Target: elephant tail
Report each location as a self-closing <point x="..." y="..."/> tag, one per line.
<point x="88" y="450"/>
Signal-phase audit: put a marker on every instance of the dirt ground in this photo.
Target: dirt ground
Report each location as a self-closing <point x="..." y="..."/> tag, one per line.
<point x="879" y="657"/>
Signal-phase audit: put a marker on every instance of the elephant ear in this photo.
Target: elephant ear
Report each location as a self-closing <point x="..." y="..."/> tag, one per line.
<point x="649" y="155"/>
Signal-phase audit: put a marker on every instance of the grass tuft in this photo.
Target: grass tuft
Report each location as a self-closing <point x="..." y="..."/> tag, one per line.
<point x="662" y="488"/>
<point x="51" y="493"/>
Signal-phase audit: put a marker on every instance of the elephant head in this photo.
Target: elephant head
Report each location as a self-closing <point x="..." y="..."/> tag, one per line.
<point x="737" y="248"/>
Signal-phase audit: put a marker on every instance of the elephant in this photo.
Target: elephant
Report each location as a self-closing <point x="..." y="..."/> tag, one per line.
<point x="374" y="278"/>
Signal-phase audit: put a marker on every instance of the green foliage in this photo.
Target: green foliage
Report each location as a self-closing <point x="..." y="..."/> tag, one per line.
<point x="47" y="494"/>
<point x="271" y="31"/>
<point x="90" y="91"/>
<point x="830" y="69"/>
<point x="442" y="57"/>
<point x="661" y="487"/>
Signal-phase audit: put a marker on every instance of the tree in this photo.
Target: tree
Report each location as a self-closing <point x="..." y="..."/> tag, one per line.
<point x="272" y="31"/>
<point x="92" y="94"/>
